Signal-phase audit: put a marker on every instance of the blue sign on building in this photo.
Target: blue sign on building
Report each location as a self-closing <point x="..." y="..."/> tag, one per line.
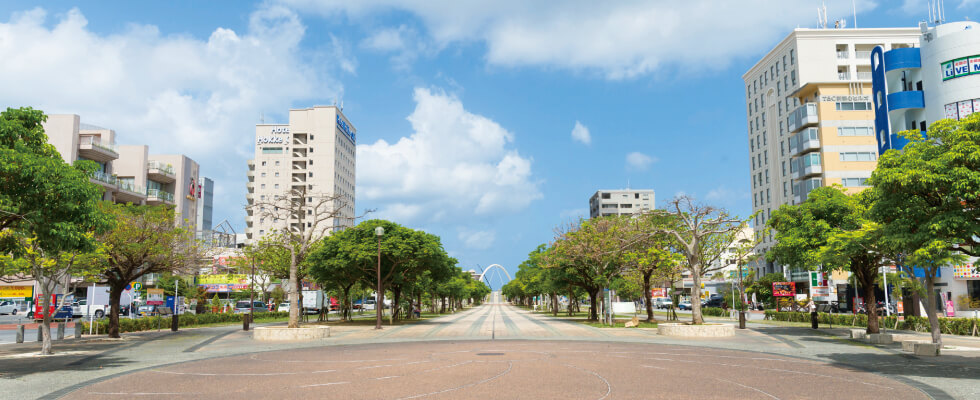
<point x="346" y="129"/>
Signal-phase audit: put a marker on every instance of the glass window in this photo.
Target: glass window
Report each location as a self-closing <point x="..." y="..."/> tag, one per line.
<point x="858" y="156"/>
<point x="855" y="182"/>
<point x="792" y="58"/>
<point x="854" y="131"/>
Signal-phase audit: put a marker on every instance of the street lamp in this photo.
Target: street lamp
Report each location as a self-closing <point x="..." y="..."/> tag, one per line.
<point x="741" y="285"/>
<point x="379" y="299"/>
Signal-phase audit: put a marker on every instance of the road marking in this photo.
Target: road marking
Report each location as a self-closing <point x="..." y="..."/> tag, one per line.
<point x="510" y="365"/>
<point x="608" y="386"/>
<point x="387" y="377"/>
<point x="325" y="384"/>
<point x="750" y="387"/>
<point x="138" y="393"/>
<point x="652" y="366"/>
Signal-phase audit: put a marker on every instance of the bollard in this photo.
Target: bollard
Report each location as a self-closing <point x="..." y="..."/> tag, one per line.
<point x="20" y="334"/>
<point x="61" y="331"/>
<point x="78" y="330"/>
<point x="174" y="322"/>
<point x="40" y="334"/>
<point x="245" y="318"/>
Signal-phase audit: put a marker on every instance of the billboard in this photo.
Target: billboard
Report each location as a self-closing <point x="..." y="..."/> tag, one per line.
<point x="658" y="292"/>
<point x="20" y="292"/>
<point x="154" y="297"/>
<point x="783" y="289"/>
<point x="960" y="67"/>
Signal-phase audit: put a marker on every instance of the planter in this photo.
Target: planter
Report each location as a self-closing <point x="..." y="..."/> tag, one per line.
<point x="284" y="334"/>
<point x="696" y="331"/>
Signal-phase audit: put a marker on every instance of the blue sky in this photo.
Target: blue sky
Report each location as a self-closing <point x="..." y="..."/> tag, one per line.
<point x="465" y="113"/>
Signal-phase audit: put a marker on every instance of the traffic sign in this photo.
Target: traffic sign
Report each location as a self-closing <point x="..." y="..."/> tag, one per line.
<point x="137" y="285"/>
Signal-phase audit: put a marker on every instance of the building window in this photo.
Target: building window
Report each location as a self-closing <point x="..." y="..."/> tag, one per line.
<point x="277" y="174"/>
<point x="859" y="156"/>
<point x="606" y="195"/>
<point x="625" y="206"/>
<point x="263" y="163"/>
<point x="766" y="153"/>
<point x="784" y="189"/>
<point x="768" y="198"/>
<point x="277" y="163"/>
<point x="855" y="182"/>
<point x="277" y="186"/>
<point x="792" y="58"/>
<point x="262" y="186"/>
<point x="784" y="168"/>
<point x="855" y="131"/>
<point x="311" y="174"/>
<point x="272" y="150"/>
<point x="767" y="176"/>
<point x="853" y="106"/>
<point x="263" y="174"/>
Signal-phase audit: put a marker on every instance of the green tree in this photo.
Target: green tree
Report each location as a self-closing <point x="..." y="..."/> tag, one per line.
<point x="143" y="241"/>
<point x="651" y="254"/>
<point x="927" y="199"/>
<point x="48" y="209"/>
<point x="589" y="256"/>
<point x="831" y="230"/>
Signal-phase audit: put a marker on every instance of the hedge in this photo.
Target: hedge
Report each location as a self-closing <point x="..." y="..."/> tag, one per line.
<point x="186" y="320"/>
<point x="952" y="326"/>
<point x="714" y="312"/>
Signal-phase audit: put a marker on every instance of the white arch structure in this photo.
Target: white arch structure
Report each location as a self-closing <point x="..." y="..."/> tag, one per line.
<point x="492" y="266"/>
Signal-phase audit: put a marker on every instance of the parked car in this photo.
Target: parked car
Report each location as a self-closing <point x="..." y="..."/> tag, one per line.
<point x="144" y="311"/>
<point x="283" y="307"/>
<point x="662" y="303"/>
<point x="242" y="307"/>
<point x="8" y="307"/>
<point x="684" y="305"/>
<point x="714" y="302"/>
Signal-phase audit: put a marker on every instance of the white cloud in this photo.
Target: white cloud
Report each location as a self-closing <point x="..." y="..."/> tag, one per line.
<point x="454" y="164"/>
<point x="403" y="42"/>
<point x="478" y="240"/>
<point x="619" y="39"/>
<point x="580" y="133"/>
<point x="176" y="93"/>
<point x="639" y="161"/>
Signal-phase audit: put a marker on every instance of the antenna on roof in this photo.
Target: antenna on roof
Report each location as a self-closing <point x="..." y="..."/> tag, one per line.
<point x="855" y="11"/>
<point x="822" y="16"/>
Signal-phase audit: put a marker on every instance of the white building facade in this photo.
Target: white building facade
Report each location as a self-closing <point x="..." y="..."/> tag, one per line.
<point x="313" y="153"/>
<point x="621" y="202"/>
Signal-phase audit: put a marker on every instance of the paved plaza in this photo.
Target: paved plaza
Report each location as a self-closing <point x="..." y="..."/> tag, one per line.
<point x="492" y="351"/>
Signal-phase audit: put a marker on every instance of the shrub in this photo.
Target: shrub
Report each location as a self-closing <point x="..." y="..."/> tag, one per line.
<point x="951" y="326"/>
<point x="186" y="320"/>
<point x="714" y="312"/>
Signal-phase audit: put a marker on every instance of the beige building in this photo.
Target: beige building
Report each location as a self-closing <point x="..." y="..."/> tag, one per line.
<point x="621" y="202"/>
<point x="314" y="153"/>
<point x="128" y="174"/>
<point x="788" y="128"/>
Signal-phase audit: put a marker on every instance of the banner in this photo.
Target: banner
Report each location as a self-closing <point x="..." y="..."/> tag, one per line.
<point x="22" y="292"/>
<point x="658" y="292"/>
<point x="783" y="289"/>
<point x="154" y="297"/>
<point x="223" y="279"/>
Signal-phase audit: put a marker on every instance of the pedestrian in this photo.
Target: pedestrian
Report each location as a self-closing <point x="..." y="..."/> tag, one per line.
<point x="418" y="312"/>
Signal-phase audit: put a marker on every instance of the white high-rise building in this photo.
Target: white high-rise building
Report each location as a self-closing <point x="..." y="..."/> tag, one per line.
<point x="314" y="153"/>
<point x="796" y="146"/>
<point x="621" y="202"/>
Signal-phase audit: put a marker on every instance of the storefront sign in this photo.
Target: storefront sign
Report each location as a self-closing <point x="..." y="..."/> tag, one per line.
<point x="658" y="292"/>
<point x="968" y="271"/>
<point x="154" y="297"/>
<point x="21" y="292"/>
<point x="783" y="289"/>
<point x="345" y="129"/>
<point x="225" y="279"/>
<point x="280" y="130"/>
<point x="960" y="67"/>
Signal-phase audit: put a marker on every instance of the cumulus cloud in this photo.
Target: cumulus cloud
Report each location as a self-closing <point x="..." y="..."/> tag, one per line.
<point x="580" y="133"/>
<point x="454" y="164"/>
<point x="478" y="240"/>
<point x="403" y="43"/>
<point x="176" y="93"/>
<point x="619" y="39"/>
<point x="639" y="161"/>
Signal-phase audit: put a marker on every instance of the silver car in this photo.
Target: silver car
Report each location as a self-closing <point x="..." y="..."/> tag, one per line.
<point x="8" y="307"/>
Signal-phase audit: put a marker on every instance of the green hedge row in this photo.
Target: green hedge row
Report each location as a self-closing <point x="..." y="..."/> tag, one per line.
<point x="186" y="320"/>
<point x="952" y="326"/>
<point x="714" y="312"/>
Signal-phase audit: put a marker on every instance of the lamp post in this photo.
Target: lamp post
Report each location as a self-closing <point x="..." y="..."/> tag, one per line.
<point x="379" y="299"/>
<point x="741" y="285"/>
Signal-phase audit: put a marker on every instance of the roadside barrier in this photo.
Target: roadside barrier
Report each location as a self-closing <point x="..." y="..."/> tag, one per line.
<point x="950" y="326"/>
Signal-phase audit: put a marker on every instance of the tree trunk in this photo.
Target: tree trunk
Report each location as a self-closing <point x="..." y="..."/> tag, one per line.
<point x="593" y="304"/>
<point x="648" y="296"/>
<point x="294" y="295"/>
<point x="396" y="295"/>
<point x="419" y="297"/>
<point x="696" y="317"/>
<point x="45" y="326"/>
<point x="115" y="294"/>
<point x="554" y="304"/>
<point x="866" y="277"/>
<point x="931" y="307"/>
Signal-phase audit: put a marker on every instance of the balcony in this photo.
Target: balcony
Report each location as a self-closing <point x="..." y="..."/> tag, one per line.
<point x="160" y="172"/>
<point x="808" y="139"/>
<point x="807" y="171"/>
<point x="843" y="55"/>
<point x="129" y="192"/>
<point x="107" y="181"/>
<point x="92" y="148"/>
<point x="864" y="76"/>
<point x="863" y="56"/>
<point x="251" y="165"/>
<point x="906" y="99"/>
<point x="157" y="196"/>
<point x="843" y="76"/>
<point x="803" y="116"/>
<point x="299" y="178"/>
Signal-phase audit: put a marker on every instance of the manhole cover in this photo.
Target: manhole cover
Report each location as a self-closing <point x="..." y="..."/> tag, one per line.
<point x="489" y="354"/>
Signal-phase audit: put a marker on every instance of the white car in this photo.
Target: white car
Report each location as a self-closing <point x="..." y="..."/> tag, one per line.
<point x="283" y="307"/>
<point x="8" y="307"/>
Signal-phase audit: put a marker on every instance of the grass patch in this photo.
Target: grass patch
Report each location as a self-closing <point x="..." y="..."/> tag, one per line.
<point x="618" y="323"/>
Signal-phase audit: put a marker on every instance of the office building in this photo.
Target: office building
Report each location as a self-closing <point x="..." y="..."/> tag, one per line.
<point x="205" y="207"/>
<point x="621" y="202"/>
<point x="313" y="154"/>
<point x="793" y="88"/>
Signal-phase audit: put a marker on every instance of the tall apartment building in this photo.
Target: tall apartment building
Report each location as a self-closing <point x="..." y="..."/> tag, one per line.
<point x="808" y="110"/>
<point x="314" y="152"/>
<point x="621" y="202"/>
<point x="128" y="174"/>
<point x="205" y="207"/>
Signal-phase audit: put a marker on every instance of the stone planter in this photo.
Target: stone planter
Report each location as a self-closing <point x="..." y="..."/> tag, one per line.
<point x="696" y="331"/>
<point x="284" y="334"/>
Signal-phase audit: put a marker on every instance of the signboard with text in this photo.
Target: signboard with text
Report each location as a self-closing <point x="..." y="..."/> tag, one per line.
<point x="960" y="67"/>
<point x="783" y="289"/>
<point x="154" y="297"/>
<point x="20" y="292"/>
<point x="658" y="292"/>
